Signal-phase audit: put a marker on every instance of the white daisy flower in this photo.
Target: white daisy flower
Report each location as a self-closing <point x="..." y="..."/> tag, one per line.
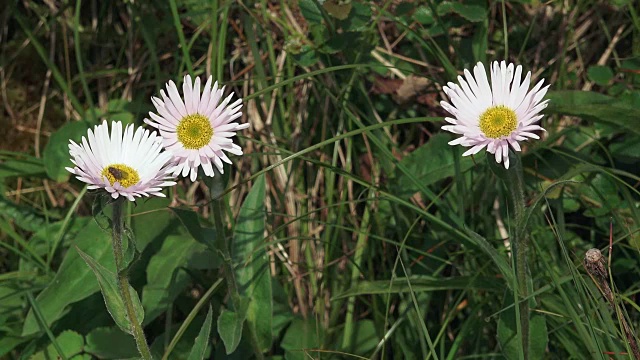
<point x="199" y="129"/>
<point x="128" y="164"/>
<point x="497" y="115"/>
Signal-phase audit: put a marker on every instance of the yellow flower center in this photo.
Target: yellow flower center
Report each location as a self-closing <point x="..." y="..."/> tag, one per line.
<point x="498" y="121"/>
<point x="125" y="175"/>
<point x="194" y="131"/>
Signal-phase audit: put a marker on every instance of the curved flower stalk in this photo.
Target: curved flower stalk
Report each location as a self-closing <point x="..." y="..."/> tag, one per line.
<point x="126" y="164"/>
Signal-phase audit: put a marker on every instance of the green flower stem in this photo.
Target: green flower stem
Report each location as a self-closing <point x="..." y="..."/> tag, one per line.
<point x="123" y="281"/>
<point x="520" y="241"/>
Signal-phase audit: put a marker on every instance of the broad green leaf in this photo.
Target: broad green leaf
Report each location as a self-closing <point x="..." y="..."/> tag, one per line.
<point x="74" y="281"/>
<point x="358" y="17"/>
<point x="251" y="263"/>
<point x="82" y="357"/>
<point x="499" y="260"/>
<point x="115" y="305"/>
<point x="420" y="284"/>
<point x="596" y="107"/>
<point x="337" y="9"/>
<point x="508" y="336"/>
<point x="230" y="325"/>
<point x="101" y="341"/>
<point x="601" y="75"/>
<point x="150" y="211"/>
<point x="307" y="56"/>
<point x="166" y="277"/>
<point x="310" y="11"/>
<point x="429" y="163"/>
<point x="23" y="216"/>
<point x="56" y="153"/>
<point x="70" y="342"/>
<point x="302" y="335"/>
<point x="365" y="338"/>
<point x="199" y="349"/>
<point x="473" y="13"/>
<point x="191" y="222"/>
<point x="24" y="166"/>
<point x="9" y="343"/>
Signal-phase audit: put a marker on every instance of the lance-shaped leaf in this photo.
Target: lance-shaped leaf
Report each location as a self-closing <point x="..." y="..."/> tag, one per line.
<point x="109" y="286"/>
<point x="251" y="264"/>
<point x="200" y="346"/>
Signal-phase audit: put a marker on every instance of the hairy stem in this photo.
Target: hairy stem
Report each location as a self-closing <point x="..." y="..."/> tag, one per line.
<point x="520" y="240"/>
<point x="123" y="281"/>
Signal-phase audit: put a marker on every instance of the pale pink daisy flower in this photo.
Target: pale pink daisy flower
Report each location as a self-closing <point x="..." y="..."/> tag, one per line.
<point x="129" y="164"/>
<point x="198" y="130"/>
<point x="497" y="115"/>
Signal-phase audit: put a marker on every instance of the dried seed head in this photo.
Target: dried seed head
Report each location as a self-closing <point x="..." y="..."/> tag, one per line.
<point x="593" y="256"/>
<point x="595" y="264"/>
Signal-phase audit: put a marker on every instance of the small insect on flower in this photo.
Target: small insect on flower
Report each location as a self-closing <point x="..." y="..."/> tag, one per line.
<point x="494" y="115"/>
<point x="198" y="130"/>
<point x="117" y="174"/>
<point x="129" y="163"/>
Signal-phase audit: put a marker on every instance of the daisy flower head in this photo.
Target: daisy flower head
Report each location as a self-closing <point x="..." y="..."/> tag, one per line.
<point x="197" y="129"/>
<point x="129" y="163"/>
<point x="497" y="114"/>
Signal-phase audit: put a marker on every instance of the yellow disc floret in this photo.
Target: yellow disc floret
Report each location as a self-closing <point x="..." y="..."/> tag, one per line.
<point x="121" y="173"/>
<point x="194" y="131"/>
<point x="498" y="121"/>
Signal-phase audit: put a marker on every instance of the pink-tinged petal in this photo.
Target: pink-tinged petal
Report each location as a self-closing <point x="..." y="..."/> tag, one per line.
<point x="474" y="150"/>
<point x="206" y="95"/>
<point x="172" y="90"/>
<point x="515" y="145"/>
<point x="188" y="93"/>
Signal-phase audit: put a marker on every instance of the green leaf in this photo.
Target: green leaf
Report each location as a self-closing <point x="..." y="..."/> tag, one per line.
<point x="302" y="335"/>
<point x="166" y="277"/>
<point x="70" y="342"/>
<point x="56" y="154"/>
<point x="151" y="211"/>
<point x="310" y="11"/>
<point x="24" y="216"/>
<point x="365" y="338"/>
<point x="429" y="163"/>
<point x="596" y="107"/>
<point x="499" y="260"/>
<point x="420" y="284"/>
<point x="358" y="18"/>
<point x="473" y="13"/>
<point x="251" y="263"/>
<point x="111" y="294"/>
<point x="508" y="336"/>
<point x="74" y="281"/>
<point x="191" y="222"/>
<point x="101" y="341"/>
<point x="23" y="166"/>
<point x="601" y="75"/>
<point x="337" y="9"/>
<point x="230" y="325"/>
<point x="199" y="349"/>
<point x="307" y="56"/>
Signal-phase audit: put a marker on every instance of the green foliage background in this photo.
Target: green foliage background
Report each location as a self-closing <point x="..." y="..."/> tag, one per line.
<point x="356" y="231"/>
